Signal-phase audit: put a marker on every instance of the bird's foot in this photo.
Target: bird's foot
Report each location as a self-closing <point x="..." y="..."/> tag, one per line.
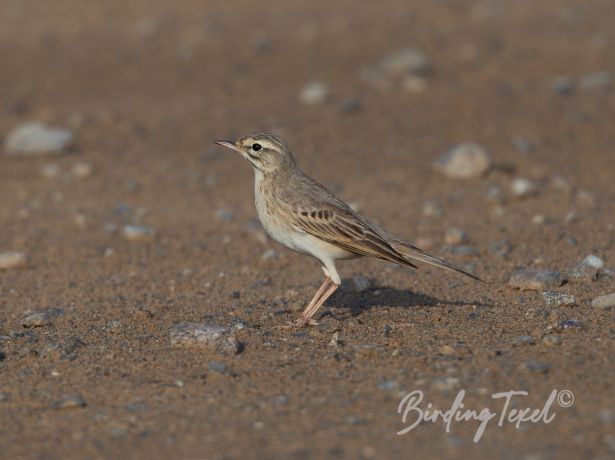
<point x="303" y="321"/>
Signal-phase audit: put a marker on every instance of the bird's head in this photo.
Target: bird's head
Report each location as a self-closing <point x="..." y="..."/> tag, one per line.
<point x="267" y="153"/>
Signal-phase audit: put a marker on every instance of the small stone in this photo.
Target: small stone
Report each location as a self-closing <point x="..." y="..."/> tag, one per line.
<point x="569" y="324"/>
<point x="455" y="236"/>
<point x="596" y="80"/>
<point x="523" y="340"/>
<point x="69" y="402"/>
<point x="50" y="171"/>
<point x="33" y="138"/>
<point x="314" y="93"/>
<point x="557" y="299"/>
<point x="539" y="219"/>
<point x="81" y="170"/>
<point x="269" y="254"/>
<point x="523" y="145"/>
<point x="445" y="384"/>
<point x="447" y="350"/>
<point x="138" y="232"/>
<point x="552" y="340"/>
<point x="360" y="283"/>
<point x="530" y="279"/>
<point x="536" y="366"/>
<point x="336" y="341"/>
<point x="218" y="367"/>
<point x="225" y="215"/>
<point x="41" y="318"/>
<point x="584" y="272"/>
<point x="563" y="86"/>
<point x="431" y="209"/>
<point x="593" y="261"/>
<point x="414" y="84"/>
<point x="586" y="199"/>
<point x="204" y="335"/>
<point x="351" y="105"/>
<point x="388" y="385"/>
<point x="522" y="188"/>
<point x="404" y="62"/>
<point x="12" y="259"/>
<point x="463" y="161"/>
<point x="4" y="396"/>
<point x="604" y="301"/>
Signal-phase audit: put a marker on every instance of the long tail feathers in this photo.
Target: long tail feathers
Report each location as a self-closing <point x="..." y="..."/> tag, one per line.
<point x="407" y="250"/>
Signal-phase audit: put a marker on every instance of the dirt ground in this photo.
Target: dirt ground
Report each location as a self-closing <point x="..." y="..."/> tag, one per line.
<point x="145" y="86"/>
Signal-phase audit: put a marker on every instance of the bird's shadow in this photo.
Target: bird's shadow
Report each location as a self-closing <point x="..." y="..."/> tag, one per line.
<point x="377" y="296"/>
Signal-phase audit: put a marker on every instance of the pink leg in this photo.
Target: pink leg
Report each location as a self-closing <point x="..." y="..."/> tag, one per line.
<point x="307" y="314"/>
<point x="323" y="288"/>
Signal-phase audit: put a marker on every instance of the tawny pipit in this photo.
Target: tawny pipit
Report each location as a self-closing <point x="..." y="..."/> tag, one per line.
<point x="306" y="217"/>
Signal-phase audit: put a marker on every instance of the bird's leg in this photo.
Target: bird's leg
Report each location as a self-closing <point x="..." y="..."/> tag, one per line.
<point x="317" y="301"/>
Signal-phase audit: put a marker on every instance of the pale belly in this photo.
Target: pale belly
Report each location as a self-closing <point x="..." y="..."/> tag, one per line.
<point x="298" y="240"/>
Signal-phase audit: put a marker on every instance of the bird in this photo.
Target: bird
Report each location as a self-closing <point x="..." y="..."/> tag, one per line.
<point x="306" y="217"/>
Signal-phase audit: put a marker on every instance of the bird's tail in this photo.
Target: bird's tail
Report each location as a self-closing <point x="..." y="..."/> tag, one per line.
<point x="409" y="251"/>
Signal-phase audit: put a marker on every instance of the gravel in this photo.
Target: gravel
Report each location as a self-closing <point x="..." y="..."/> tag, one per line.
<point x="138" y="232"/>
<point x="604" y="301"/>
<point x="33" y="138"/>
<point x="69" y="402"/>
<point x="530" y="279"/>
<point x="521" y="187"/>
<point x="556" y="299"/>
<point x="455" y="236"/>
<point x="586" y="270"/>
<point x="205" y="335"/>
<point x="41" y="318"/>
<point x="596" y="80"/>
<point x="314" y="93"/>
<point x="463" y="161"/>
<point x="12" y="259"/>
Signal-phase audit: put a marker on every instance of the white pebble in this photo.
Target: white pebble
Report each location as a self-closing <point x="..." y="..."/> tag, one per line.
<point x="137" y="232"/>
<point x="35" y="138"/>
<point x="314" y="93"/>
<point x="593" y="261"/>
<point x="12" y="259"/>
<point x="81" y="170"/>
<point x="464" y="161"/>
<point x="521" y="187"/>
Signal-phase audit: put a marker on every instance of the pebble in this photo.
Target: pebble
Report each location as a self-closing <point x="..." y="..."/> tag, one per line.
<point x="351" y="105"/>
<point x="41" y="318"/>
<point x="563" y="86"/>
<point x="455" y="236"/>
<point x="557" y="299"/>
<point x="586" y="270"/>
<point x="404" y="62"/>
<point x="521" y="187"/>
<point x="218" y="367"/>
<point x="552" y="340"/>
<point x="314" y="93"/>
<point x="463" y="161"/>
<point x="69" y="402"/>
<point x="138" y="232"/>
<point x="530" y="279"/>
<point x="336" y="341"/>
<point x="81" y="170"/>
<point x="33" y="138"/>
<point x="205" y="335"/>
<point x="536" y="366"/>
<point x="225" y="215"/>
<point x="12" y="259"/>
<point x="523" y="340"/>
<point x="50" y="171"/>
<point x="569" y="324"/>
<point x="593" y="261"/>
<point x="269" y="254"/>
<point x="360" y="283"/>
<point x="604" y="301"/>
<point x="596" y="80"/>
<point x="431" y="209"/>
<point x="523" y="145"/>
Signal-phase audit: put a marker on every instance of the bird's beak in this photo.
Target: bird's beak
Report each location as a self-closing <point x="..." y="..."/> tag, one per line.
<point x="228" y="144"/>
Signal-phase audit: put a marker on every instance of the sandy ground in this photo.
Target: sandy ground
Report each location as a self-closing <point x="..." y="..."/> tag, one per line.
<point x="145" y="86"/>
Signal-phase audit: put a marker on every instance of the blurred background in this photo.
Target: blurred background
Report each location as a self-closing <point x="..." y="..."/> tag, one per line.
<point x="481" y="130"/>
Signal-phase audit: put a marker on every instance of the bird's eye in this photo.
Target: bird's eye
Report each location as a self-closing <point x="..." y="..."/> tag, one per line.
<point x="256" y="147"/>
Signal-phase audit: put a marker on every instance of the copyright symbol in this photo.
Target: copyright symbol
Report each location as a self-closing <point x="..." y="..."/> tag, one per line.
<point x="565" y="398"/>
